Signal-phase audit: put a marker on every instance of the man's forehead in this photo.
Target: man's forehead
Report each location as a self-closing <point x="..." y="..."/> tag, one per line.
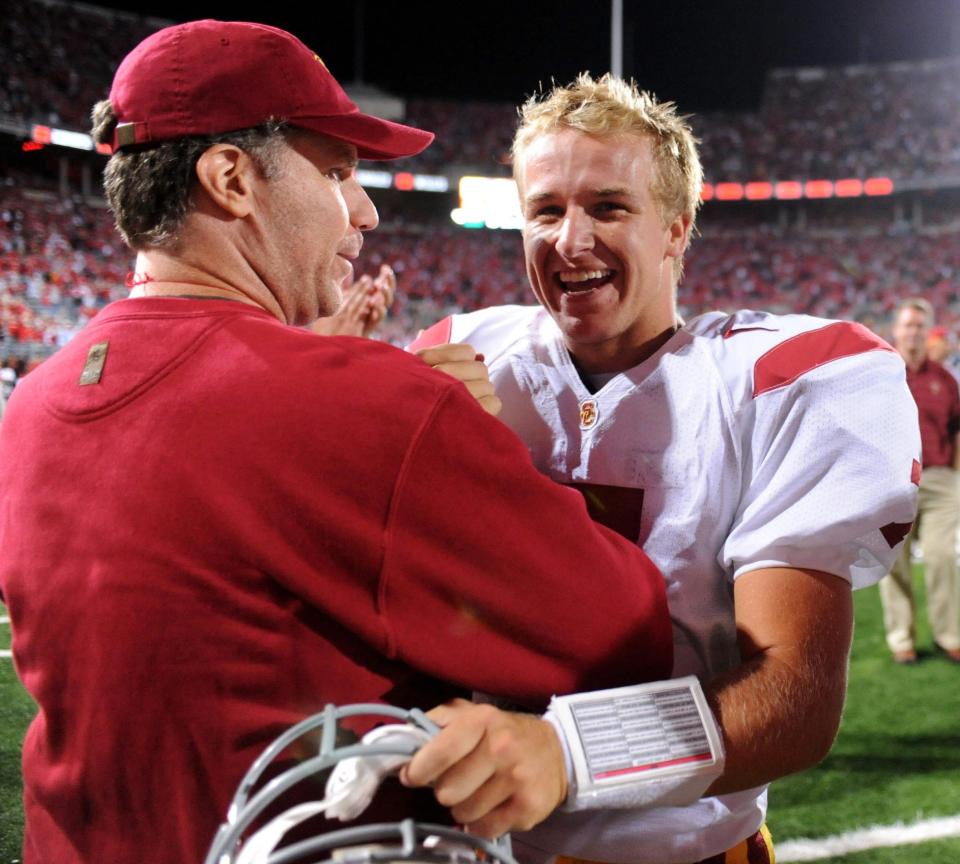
<point x="608" y="164"/>
<point x="325" y="147"/>
<point x="912" y="314"/>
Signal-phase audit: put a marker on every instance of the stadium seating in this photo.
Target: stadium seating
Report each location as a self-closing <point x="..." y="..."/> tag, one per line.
<point x="60" y="259"/>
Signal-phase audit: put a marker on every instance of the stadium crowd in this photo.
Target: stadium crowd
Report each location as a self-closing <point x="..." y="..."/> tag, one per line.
<point x="60" y="261"/>
<point x="900" y="120"/>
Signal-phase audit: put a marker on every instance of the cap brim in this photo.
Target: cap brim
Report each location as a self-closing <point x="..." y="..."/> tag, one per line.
<point x="373" y="137"/>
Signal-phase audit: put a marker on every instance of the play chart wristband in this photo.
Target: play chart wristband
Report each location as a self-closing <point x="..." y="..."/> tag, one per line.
<point x="648" y="745"/>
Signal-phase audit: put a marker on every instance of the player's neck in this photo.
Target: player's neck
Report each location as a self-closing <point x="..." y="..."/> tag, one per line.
<point x="602" y="360"/>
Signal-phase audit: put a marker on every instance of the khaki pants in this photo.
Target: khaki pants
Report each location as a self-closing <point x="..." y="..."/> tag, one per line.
<point x="936" y="529"/>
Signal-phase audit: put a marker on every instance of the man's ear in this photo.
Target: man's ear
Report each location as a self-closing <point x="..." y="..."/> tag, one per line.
<point x="679" y="235"/>
<point x="226" y="173"/>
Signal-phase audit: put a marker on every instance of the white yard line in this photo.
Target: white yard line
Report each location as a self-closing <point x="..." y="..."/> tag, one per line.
<point x="867" y="838"/>
<point x="6" y="653"/>
<point x="4" y="619"/>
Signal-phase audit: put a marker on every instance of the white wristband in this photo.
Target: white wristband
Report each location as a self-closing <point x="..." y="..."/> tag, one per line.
<point x="648" y="745"/>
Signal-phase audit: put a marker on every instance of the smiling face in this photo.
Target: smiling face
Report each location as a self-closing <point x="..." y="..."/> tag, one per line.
<point x="311" y="227"/>
<point x="599" y="256"/>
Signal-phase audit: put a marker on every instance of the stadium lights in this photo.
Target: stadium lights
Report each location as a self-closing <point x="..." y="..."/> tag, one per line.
<point x="502" y="196"/>
<point x="490" y="202"/>
<point x="791" y="190"/>
<point x="374" y="179"/>
<point x="758" y="191"/>
<point x="787" y="190"/>
<point x="818" y="189"/>
<point x="878" y="186"/>
<point x="403" y="180"/>
<point x="848" y="188"/>
<point x="728" y="191"/>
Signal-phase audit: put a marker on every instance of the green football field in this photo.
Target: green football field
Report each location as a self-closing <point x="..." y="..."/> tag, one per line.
<point x="897" y="759"/>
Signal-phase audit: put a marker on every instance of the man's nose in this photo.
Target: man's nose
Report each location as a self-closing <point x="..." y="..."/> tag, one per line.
<point x="576" y="233"/>
<point x="363" y="212"/>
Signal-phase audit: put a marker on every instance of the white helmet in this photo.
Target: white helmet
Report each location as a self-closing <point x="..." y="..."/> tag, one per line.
<point x="357" y="772"/>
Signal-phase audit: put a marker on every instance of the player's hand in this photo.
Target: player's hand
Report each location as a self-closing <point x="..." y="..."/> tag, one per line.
<point x="497" y="771"/>
<point x="462" y="362"/>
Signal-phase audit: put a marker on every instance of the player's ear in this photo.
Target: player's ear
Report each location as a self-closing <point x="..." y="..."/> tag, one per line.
<point x="227" y="175"/>
<point x="678" y="235"/>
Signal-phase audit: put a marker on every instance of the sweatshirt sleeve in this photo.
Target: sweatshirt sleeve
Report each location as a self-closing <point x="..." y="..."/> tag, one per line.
<point x="497" y="579"/>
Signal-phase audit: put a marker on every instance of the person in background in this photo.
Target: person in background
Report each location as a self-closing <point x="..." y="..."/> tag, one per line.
<point x="941" y="349"/>
<point x="936" y="393"/>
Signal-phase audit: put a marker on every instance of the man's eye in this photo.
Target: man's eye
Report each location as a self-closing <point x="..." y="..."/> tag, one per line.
<point x="609" y="207"/>
<point x="547" y="212"/>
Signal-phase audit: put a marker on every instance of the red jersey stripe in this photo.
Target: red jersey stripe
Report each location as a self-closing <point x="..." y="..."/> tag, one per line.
<point x="793" y="358"/>
<point x="438" y="334"/>
<point x="894" y="532"/>
<point x="650" y="766"/>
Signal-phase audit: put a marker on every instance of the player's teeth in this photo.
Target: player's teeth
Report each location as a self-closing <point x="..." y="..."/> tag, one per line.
<point x="583" y="275"/>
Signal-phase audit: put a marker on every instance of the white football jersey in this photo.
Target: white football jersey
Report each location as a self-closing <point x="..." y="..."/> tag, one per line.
<point x="746" y="441"/>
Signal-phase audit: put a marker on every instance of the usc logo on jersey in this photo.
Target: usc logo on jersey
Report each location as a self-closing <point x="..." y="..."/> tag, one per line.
<point x="588" y="414"/>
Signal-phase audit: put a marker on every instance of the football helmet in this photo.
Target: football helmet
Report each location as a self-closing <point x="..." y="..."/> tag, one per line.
<point x="355" y="775"/>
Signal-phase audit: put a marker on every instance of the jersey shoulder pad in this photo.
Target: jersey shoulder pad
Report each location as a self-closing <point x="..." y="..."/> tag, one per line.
<point x="765" y="352"/>
<point x="491" y="331"/>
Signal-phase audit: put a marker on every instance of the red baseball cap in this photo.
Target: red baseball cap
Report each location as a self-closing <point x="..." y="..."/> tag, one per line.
<point x="208" y="77"/>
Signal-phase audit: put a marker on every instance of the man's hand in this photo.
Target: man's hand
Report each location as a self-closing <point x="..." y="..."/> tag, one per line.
<point x="462" y="362"/>
<point x="365" y="305"/>
<point x="497" y="771"/>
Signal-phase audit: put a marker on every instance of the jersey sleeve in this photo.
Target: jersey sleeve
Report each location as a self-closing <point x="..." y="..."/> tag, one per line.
<point x="830" y="465"/>
<point x="437" y="334"/>
<point x="491" y="331"/>
<point x="526" y="595"/>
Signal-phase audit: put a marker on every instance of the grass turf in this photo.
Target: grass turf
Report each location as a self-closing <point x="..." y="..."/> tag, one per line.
<point x="898" y="753"/>
<point x="896" y="759"/>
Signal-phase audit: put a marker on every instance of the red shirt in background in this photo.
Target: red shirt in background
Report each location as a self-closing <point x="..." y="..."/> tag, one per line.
<point x="937" y="396"/>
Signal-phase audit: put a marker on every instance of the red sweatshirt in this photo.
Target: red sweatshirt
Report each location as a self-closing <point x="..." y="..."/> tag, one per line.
<point x="242" y="521"/>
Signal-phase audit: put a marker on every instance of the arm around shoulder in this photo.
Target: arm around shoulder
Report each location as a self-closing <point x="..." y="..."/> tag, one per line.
<point x="526" y="594"/>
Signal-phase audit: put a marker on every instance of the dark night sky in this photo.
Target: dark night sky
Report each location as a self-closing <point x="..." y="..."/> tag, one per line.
<point x="704" y="54"/>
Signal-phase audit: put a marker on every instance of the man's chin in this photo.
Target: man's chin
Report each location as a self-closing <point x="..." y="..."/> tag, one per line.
<point x="330" y="300"/>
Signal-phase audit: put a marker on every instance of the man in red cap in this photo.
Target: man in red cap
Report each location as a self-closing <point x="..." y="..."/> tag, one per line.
<point x="215" y="522"/>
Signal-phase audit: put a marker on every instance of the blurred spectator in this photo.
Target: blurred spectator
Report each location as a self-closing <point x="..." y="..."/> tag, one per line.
<point x="901" y="120"/>
<point x="942" y="349"/>
<point x="938" y="518"/>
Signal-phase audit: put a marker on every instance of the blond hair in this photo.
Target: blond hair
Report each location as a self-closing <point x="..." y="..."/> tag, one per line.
<point x="612" y="106"/>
